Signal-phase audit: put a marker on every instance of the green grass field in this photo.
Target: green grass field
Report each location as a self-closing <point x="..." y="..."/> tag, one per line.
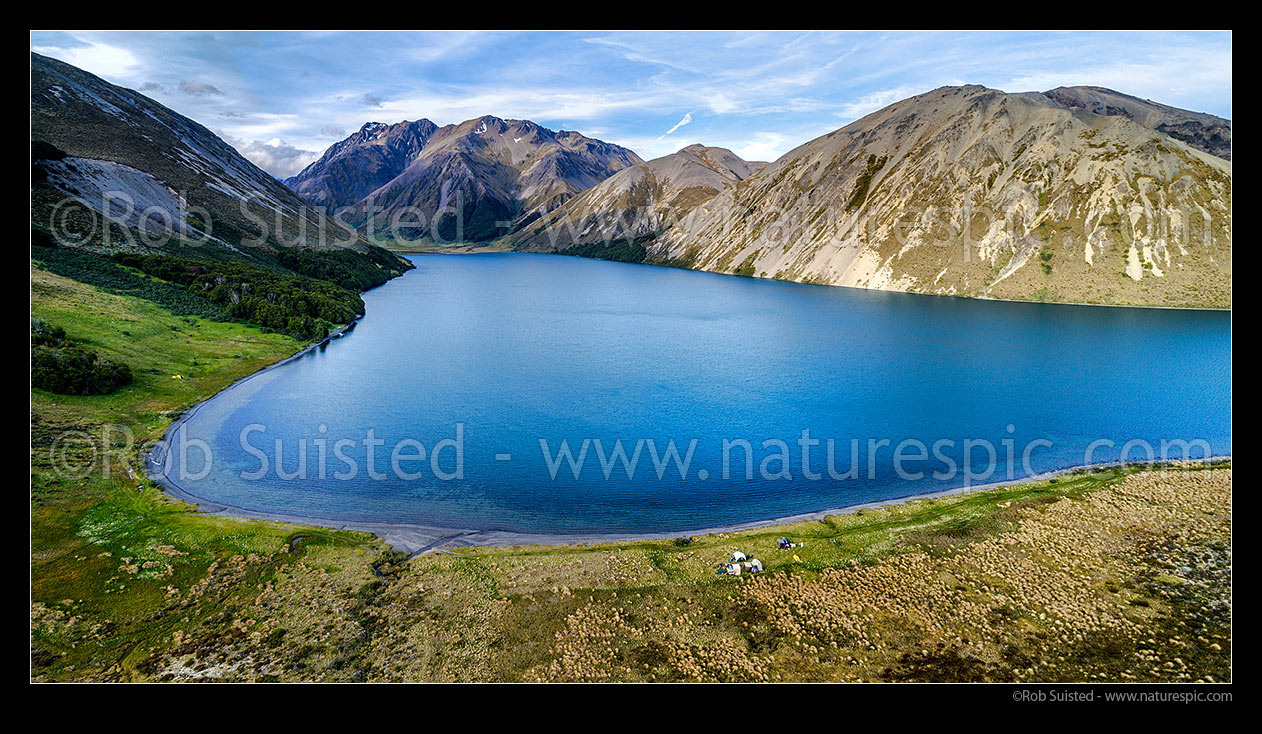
<point x="1116" y="575"/>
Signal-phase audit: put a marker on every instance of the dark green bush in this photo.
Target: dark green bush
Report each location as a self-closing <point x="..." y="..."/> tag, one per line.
<point x="618" y="250"/>
<point x="97" y="270"/>
<point x="351" y="269"/>
<point x="45" y="334"/>
<point x="325" y="291"/>
<point x="61" y="366"/>
<point x="302" y="307"/>
<point x="864" y="181"/>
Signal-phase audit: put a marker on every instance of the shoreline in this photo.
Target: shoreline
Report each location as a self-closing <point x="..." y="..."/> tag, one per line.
<point x="415" y="539"/>
<point x="155" y="457"/>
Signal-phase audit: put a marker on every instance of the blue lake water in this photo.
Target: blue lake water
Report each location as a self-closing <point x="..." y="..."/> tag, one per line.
<point x="505" y="350"/>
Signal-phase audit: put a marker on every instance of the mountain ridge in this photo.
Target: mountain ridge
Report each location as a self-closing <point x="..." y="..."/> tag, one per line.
<point x="343" y="180"/>
<point x="977" y="192"/>
<point x="1200" y="130"/>
<point x="178" y="187"/>
<point x="474" y="180"/>
<point x="638" y="201"/>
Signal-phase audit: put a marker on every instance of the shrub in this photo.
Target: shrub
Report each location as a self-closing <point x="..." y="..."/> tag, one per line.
<point x="350" y="269"/>
<point x="97" y="270"/>
<point x="301" y="307"/>
<point x="61" y="366"/>
<point x="618" y="250"/>
<point x="304" y="305"/>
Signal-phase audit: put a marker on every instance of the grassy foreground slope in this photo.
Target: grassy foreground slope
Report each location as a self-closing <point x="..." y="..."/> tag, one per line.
<point x="1118" y="575"/>
<point x="103" y="552"/>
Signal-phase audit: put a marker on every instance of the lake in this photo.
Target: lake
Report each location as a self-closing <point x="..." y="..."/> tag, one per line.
<point x="472" y="370"/>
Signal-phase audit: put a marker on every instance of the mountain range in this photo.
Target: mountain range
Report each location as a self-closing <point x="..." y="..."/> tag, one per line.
<point x="1077" y="194"/>
<point x="473" y="181"/>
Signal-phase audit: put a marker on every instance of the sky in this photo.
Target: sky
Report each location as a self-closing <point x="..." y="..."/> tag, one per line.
<point x="283" y="98"/>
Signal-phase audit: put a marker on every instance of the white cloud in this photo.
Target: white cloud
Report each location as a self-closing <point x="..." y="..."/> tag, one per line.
<point x="275" y="156"/>
<point x="806" y="104"/>
<point x="763" y="146"/>
<point x="538" y="104"/>
<point x="874" y="101"/>
<point x="687" y="118"/>
<point x="632" y="53"/>
<point x="1179" y="77"/>
<point x="438" y="46"/>
<point x="101" y="58"/>
<point x="265" y="126"/>
<point x="720" y="103"/>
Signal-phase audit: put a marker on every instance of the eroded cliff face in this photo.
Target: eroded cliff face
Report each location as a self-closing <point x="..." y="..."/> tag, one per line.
<point x="974" y="192"/>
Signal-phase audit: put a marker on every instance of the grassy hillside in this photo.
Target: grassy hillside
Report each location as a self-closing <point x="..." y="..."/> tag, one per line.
<point x="304" y="306"/>
<point x="1116" y="575"/>
<point x="101" y="543"/>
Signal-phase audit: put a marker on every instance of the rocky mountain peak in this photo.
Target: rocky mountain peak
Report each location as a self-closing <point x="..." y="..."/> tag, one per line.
<point x="494" y="170"/>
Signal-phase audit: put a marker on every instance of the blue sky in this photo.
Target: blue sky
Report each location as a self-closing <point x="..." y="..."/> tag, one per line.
<point x="282" y="98"/>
